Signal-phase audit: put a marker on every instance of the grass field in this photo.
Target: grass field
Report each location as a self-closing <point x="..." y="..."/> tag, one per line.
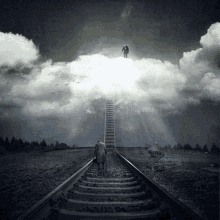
<point x="183" y="177"/>
<point x="25" y="178"/>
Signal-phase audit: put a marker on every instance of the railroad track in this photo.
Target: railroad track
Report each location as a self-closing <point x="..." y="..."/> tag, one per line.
<point x="123" y="193"/>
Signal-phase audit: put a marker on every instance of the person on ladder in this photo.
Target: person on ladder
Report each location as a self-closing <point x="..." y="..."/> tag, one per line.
<point x="125" y="49"/>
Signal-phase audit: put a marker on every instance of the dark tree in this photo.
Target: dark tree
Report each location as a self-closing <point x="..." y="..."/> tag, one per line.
<point x="27" y="143"/>
<point x="214" y="149"/>
<point x="57" y="144"/>
<point x="187" y="147"/>
<point x="36" y="143"/>
<point x="2" y="142"/>
<point x="205" y="148"/>
<point x="198" y="148"/>
<point x="14" y="144"/>
<point x="178" y="146"/>
<point x="7" y="144"/>
<point x="63" y="146"/>
<point x="2" y="146"/>
<point x="32" y="144"/>
<point x="167" y="146"/>
<point x="43" y="145"/>
<point x="20" y="144"/>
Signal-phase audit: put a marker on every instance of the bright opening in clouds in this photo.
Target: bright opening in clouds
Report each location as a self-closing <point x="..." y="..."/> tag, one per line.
<point x="92" y="77"/>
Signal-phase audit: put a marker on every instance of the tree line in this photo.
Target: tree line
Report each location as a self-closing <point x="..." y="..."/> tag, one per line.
<point x="18" y="145"/>
<point x="214" y="149"/>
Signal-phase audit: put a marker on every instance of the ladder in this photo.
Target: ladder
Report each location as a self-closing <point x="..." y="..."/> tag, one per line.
<point x="109" y="133"/>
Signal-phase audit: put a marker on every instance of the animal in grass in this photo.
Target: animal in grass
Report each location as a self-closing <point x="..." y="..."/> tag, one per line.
<point x="155" y="150"/>
<point x="155" y="153"/>
<point x="125" y="49"/>
<point x="100" y="154"/>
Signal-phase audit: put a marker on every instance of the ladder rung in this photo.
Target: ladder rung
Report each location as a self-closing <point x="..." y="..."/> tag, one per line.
<point x="109" y="124"/>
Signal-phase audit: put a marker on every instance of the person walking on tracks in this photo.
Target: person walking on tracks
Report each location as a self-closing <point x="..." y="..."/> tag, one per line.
<point x="125" y="49"/>
<point x="100" y="154"/>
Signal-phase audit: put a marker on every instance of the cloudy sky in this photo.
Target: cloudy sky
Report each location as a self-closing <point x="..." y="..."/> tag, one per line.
<point x="60" y="60"/>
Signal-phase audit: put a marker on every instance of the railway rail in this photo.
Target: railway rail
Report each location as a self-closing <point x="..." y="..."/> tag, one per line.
<point x="123" y="193"/>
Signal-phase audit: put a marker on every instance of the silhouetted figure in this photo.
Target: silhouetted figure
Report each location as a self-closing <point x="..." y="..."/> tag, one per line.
<point x="125" y="49"/>
<point x="100" y="154"/>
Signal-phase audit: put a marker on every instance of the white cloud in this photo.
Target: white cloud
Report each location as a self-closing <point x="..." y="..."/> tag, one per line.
<point x="211" y="86"/>
<point x="52" y="86"/>
<point x="15" y="48"/>
<point x="202" y="66"/>
<point x="212" y="38"/>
